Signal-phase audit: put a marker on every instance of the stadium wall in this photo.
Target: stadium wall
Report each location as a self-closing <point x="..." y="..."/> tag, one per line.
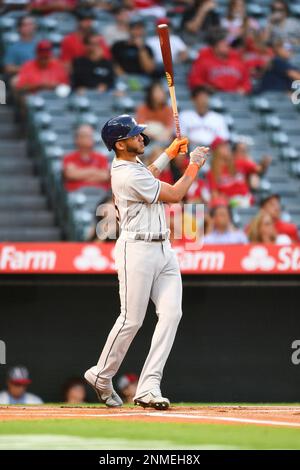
<point x="234" y="342"/>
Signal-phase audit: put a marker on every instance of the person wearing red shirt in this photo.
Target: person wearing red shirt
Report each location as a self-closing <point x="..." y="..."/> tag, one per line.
<point x="42" y="73"/>
<point x="145" y="7"/>
<point x="50" y="6"/>
<point x="240" y="152"/>
<point x="73" y="44"/>
<point x="272" y="206"/>
<point x="85" y="167"/>
<point x="228" y="176"/>
<point x="256" y="54"/>
<point x="199" y="192"/>
<point x="220" y="67"/>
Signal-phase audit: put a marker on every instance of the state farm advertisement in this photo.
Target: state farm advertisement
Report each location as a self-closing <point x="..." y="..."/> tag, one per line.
<point x="82" y="258"/>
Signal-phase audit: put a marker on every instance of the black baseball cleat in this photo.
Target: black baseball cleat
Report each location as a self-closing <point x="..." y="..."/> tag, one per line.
<point x="152" y="401"/>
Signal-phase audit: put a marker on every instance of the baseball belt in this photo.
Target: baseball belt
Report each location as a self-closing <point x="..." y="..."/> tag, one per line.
<point x="145" y="236"/>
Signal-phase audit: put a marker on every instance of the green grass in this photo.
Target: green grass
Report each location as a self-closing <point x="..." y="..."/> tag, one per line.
<point x="179" y="434"/>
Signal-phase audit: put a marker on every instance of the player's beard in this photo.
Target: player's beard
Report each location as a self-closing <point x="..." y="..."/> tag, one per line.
<point x="137" y="149"/>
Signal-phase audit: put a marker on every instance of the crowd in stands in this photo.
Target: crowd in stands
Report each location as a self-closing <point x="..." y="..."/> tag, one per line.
<point x="73" y="390"/>
<point x="237" y="55"/>
<point x="235" y="48"/>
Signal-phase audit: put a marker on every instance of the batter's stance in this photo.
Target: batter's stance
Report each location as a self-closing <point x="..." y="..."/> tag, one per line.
<point x="147" y="265"/>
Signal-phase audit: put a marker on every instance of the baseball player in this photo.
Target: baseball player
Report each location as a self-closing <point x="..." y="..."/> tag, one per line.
<point x="146" y="264"/>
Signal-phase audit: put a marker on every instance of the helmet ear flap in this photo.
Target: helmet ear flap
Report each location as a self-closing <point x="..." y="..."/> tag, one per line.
<point x="146" y="139"/>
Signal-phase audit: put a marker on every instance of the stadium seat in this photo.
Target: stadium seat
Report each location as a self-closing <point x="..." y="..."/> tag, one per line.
<point x="261" y="105"/>
<point x="87" y="118"/>
<point x="279" y="139"/>
<point x="248" y="125"/>
<point x="276" y="172"/>
<point x="80" y="224"/>
<point x="287" y="188"/>
<point x="32" y="234"/>
<point x="124" y="105"/>
<point x="295" y="9"/>
<point x="270" y="122"/>
<point x="80" y="103"/>
<point x="289" y="153"/>
<point x="291" y="126"/>
<point x="257" y="10"/>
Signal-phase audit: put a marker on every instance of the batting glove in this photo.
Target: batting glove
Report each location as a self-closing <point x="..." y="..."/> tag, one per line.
<point x="199" y="156"/>
<point x="176" y="147"/>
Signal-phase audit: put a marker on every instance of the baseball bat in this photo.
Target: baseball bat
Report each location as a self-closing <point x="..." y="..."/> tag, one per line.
<point x="164" y="39"/>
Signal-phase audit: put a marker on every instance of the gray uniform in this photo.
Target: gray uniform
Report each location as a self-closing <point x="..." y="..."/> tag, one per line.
<point x="146" y="269"/>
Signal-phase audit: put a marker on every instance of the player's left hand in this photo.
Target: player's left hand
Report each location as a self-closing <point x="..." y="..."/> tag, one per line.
<point x="176" y="147"/>
<point x="199" y="155"/>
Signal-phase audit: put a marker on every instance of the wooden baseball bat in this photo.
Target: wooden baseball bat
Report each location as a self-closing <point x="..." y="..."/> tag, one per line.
<point x="164" y="39"/>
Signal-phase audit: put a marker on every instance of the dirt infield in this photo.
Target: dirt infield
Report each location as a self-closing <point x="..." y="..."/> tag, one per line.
<point x="277" y="416"/>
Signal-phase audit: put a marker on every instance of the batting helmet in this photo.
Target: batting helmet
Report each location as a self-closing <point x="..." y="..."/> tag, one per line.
<point x="120" y="128"/>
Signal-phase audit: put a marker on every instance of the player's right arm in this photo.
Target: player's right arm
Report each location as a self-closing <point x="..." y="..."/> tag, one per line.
<point x="175" y="193"/>
<point x="177" y="146"/>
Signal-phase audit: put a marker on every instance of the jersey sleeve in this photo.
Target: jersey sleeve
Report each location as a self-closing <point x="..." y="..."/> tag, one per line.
<point x="142" y="186"/>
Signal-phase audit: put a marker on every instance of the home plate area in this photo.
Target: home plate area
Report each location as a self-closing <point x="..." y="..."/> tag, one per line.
<point x="277" y="416"/>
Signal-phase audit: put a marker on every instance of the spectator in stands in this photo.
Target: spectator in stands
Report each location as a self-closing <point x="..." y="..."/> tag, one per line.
<point x="92" y="71"/>
<point x="85" y="167"/>
<point x="156" y="113"/>
<point x="146" y="7"/>
<point x="240" y="153"/>
<point x="228" y="177"/>
<point x="280" y="25"/>
<point x="222" y="229"/>
<point x="199" y="192"/>
<point x="236" y="19"/>
<point x="22" y="50"/>
<point x="262" y="230"/>
<point x="119" y="30"/>
<point x="50" y="6"/>
<point x="17" y="383"/>
<point x="74" y="391"/>
<point x="127" y="385"/>
<point x="220" y="67"/>
<point x="201" y="125"/>
<point x="134" y="56"/>
<point x="280" y="72"/>
<point x="200" y="18"/>
<point x="272" y="206"/>
<point x="244" y="34"/>
<point x="179" y="49"/>
<point x="73" y="44"/>
<point x="43" y="73"/>
<point x="255" y="52"/>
